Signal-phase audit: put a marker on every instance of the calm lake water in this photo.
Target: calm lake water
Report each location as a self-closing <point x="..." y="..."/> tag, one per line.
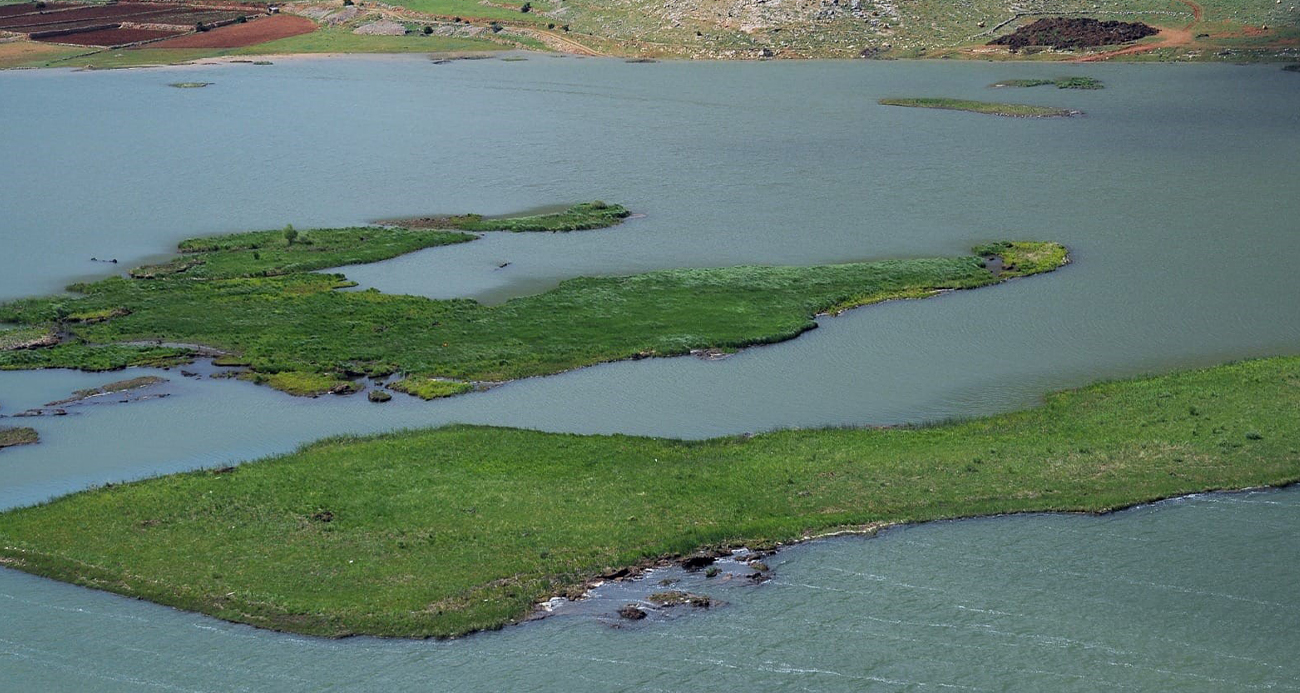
<point x="1176" y="194"/>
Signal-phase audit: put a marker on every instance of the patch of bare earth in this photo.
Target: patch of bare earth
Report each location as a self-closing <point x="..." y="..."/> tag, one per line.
<point x="251" y="33"/>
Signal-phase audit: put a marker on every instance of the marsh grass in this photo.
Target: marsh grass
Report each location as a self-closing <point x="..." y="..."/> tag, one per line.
<point x="445" y="531"/>
<point x="25" y="337"/>
<point x="429" y="388"/>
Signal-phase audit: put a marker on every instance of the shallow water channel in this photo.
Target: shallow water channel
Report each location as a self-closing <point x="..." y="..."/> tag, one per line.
<point x="1175" y="194"/>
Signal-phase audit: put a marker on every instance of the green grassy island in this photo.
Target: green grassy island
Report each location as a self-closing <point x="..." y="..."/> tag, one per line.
<point x="256" y="298"/>
<point x="1062" y="83"/>
<point x="445" y="531"/>
<point x="1009" y="110"/>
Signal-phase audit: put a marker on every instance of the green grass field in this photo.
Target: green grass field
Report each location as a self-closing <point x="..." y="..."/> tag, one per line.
<point x="332" y="40"/>
<point x="1011" y="110"/>
<point x="254" y="295"/>
<point x="445" y="531"/>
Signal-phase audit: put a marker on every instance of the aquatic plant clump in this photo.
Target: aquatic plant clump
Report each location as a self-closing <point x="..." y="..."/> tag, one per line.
<point x="1062" y="83"/>
<point x="13" y="436"/>
<point x="445" y="531"/>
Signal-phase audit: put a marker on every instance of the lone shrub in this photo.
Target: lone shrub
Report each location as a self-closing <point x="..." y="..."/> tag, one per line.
<point x="290" y="234"/>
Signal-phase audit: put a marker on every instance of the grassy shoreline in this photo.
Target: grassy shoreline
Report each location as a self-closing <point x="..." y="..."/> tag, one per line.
<point x="258" y="298"/>
<point x="442" y="532"/>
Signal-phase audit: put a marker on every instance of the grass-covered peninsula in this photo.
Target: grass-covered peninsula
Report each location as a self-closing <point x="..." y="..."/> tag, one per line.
<point x="1008" y="110"/>
<point x="445" y="531"/>
<point x="255" y="297"/>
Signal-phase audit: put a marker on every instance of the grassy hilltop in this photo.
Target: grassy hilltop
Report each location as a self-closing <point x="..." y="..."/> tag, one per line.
<point x="445" y="531"/>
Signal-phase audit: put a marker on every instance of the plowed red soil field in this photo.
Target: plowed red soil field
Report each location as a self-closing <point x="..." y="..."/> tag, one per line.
<point x="110" y="37"/>
<point x="27" y="7"/>
<point x="253" y="32"/>
<point x="108" y="13"/>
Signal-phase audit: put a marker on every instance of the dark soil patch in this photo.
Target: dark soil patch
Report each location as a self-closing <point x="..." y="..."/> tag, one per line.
<point x="1062" y="32"/>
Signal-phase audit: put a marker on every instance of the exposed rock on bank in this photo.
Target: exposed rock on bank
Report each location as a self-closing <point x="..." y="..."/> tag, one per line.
<point x="382" y="27"/>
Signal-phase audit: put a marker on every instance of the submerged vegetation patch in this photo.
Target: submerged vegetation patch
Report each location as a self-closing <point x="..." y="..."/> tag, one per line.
<point x="445" y="531"/>
<point x="256" y="298"/>
<point x="1010" y="110"/>
<point x="1060" y="83"/>
<point x="113" y="388"/>
<point x="579" y="217"/>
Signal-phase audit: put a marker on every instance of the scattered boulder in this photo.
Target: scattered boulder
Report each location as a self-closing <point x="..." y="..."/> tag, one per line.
<point x="631" y="612"/>
<point x="678" y="598"/>
<point x="697" y="562"/>
<point x="378" y="396"/>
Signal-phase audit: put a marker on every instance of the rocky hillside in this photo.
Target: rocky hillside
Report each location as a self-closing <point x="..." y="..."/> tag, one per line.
<point x="852" y="28"/>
